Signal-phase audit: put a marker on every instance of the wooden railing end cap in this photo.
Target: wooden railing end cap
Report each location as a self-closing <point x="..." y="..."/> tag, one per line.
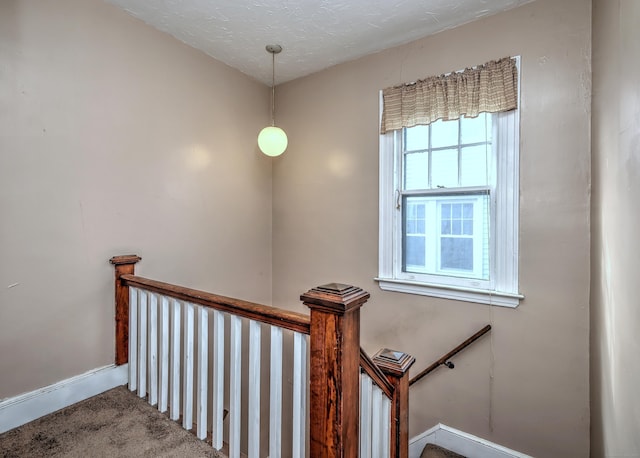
<point x="335" y="297"/>
<point x="393" y="362"/>
<point x="125" y="259"/>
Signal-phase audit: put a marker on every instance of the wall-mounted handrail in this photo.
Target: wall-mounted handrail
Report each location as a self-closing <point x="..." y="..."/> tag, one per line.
<point x="445" y="359"/>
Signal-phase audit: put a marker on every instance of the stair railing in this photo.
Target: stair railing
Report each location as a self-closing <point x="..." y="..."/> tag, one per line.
<point x="445" y="360"/>
<point x="165" y="332"/>
<point x="162" y="331"/>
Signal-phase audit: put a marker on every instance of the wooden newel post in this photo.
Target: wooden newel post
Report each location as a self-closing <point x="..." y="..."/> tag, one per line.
<point x="123" y="265"/>
<point x="395" y="365"/>
<point x="335" y="365"/>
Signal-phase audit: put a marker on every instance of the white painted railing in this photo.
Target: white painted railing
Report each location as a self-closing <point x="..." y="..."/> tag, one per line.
<point x="177" y="356"/>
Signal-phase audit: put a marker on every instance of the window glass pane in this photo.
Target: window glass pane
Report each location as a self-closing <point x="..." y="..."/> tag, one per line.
<point x="456" y="226"/>
<point x="414" y="218"/>
<point x="456" y="253"/>
<point x="415" y="251"/>
<point x="456" y="219"/>
<point x="467" y="219"/>
<point x="475" y="130"/>
<point x="444" y="133"/>
<point x="416" y="138"/>
<point x="473" y="166"/>
<point x="445" y="226"/>
<point x="416" y="171"/>
<point x="415" y="226"/>
<point x="444" y="165"/>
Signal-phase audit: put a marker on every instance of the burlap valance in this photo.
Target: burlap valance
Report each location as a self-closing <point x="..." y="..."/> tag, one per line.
<point x="492" y="88"/>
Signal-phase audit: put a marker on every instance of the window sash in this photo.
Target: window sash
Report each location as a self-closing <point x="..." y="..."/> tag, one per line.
<point x="421" y="152"/>
<point x="432" y="238"/>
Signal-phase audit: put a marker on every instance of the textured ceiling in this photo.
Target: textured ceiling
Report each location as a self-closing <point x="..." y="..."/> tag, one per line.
<point x="314" y="34"/>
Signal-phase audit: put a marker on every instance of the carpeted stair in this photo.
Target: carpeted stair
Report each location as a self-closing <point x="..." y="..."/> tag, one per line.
<point x="435" y="451"/>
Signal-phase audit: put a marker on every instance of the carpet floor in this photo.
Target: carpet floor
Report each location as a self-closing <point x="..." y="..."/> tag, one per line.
<point x="435" y="451"/>
<point x="116" y="423"/>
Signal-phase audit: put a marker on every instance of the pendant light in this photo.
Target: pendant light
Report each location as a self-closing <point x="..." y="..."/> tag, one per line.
<point x="272" y="140"/>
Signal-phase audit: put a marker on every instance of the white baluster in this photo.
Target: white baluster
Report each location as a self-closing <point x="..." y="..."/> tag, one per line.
<point x="254" y="390"/>
<point x="174" y="399"/>
<point x="133" y="338"/>
<point x="187" y="391"/>
<point x="235" y="386"/>
<point x="153" y="349"/>
<point x="376" y="421"/>
<point x="203" y="345"/>
<point x="299" y="393"/>
<point x="385" y="429"/>
<point x="365" y="415"/>
<point x="142" y="344"/>
<point x="218" y="379"/>
<point x="164" y="355"/>
<point x="275" y="394"/>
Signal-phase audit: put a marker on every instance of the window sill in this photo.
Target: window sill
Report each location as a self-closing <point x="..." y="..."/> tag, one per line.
<point x="480" y="296"/>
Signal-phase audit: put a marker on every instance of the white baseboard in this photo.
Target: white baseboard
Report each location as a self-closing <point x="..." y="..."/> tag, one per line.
<point x="460" y="442"/>
<point x="27" y="407"/>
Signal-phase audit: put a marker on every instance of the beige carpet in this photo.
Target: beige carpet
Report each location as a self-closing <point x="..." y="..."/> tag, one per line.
<point x="435" y="451"/>
<point x="114" y="424"/>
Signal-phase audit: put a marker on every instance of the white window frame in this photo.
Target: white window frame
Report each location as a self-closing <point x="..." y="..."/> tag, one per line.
<point x="502" y="287"/>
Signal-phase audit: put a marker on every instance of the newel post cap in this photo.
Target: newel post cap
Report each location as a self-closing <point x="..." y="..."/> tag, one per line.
<point x="125" y="259"/>
<point x="393" y="362"/>
<point x="335" y="298"/>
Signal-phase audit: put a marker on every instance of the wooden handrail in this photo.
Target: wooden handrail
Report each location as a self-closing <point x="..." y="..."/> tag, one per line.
<point x="271" y="315"/>
<point x="445" y="359"/>
<point x="376" y="374"/>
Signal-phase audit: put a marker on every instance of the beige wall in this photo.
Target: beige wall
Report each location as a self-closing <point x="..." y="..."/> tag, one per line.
<point x="527" y="386"/>
<point x="615" y="374"/>
<point x="116" y="138"/>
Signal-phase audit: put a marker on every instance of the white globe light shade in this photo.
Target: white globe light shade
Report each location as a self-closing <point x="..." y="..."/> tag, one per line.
<point x="272" y="141"/>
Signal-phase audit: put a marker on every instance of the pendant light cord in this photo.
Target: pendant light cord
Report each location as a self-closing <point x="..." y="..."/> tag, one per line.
<point x="273" y="88"/>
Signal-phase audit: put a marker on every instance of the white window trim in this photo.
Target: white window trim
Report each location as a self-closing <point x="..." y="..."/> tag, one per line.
<point x="504" y="290"/>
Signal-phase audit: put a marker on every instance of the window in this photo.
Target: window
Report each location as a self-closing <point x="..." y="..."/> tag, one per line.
<point x="449" y="209"/>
